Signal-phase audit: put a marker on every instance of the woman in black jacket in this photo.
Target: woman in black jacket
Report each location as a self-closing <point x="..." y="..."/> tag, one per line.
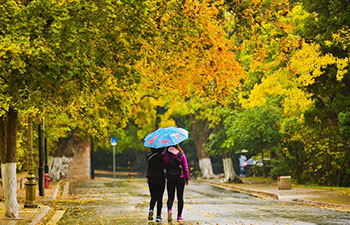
<point x="156" y="182"/>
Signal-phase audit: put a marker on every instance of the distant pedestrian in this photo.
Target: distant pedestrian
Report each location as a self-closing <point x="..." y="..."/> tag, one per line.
<point x="156" y="182"/>
<point x="177" y="175"/>
<point x="242" y="160"/>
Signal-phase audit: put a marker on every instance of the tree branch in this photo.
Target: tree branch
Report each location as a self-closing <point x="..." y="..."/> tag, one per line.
<point x="1" y="108"/>
<point x="4" y="79"/>
<point x="149" y="96"/>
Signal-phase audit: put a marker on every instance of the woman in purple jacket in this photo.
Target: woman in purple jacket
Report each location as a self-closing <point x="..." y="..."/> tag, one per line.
<point x="177" y="174"/>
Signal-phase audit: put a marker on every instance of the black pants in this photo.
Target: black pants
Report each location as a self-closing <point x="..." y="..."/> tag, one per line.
<point x="179" y="185"/>
<point x="156" y="188"/>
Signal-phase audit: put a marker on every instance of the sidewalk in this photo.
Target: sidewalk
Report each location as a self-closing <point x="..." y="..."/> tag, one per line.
<point x="31" y="216"/>
<point x="335" y="198"/>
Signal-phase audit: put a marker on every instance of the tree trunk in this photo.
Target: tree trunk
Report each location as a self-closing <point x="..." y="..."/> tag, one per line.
<point x="8" y="147"/>
<point x="201" y="134"/>
<point x="62" y="157"/>
<point x="230" y="174"/>
<point x="79" y="168"/>
<point x="9" y="182"/>
<point x="71" y="159"/>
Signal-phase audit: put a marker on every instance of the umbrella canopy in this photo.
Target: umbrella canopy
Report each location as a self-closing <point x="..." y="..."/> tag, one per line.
<point x="164" y="137"/>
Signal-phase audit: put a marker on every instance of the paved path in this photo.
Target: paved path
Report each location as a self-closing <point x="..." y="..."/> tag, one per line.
<point x="31" y="216"/>
<point x="123" y="201"/>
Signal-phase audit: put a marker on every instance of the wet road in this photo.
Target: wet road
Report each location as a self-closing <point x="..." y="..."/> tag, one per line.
<point x="123" y="201"/>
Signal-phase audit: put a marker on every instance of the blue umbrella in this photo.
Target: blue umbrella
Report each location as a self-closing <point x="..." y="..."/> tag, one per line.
<point x="164" y="137"/>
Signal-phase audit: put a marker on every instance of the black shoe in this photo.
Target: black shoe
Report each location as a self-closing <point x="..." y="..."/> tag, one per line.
<point x="150" y="215"/>
<point x="159" y="219"/>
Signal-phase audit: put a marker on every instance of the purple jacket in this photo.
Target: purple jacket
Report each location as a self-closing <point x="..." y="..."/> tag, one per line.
<point x="184" y="173"/>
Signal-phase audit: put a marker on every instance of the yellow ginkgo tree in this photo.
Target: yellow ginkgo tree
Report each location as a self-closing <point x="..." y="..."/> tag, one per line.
<point x="65" y="59"/>
<point x="308" y="75"/>
<point x="191" y="60"/>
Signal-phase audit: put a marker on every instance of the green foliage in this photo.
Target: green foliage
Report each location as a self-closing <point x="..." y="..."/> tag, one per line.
<point x="70" y="62"/>
<point x="280" y="168"/>
<point x="87" y="67"/>
<point x="329" y="17"/>
<point x="313" y="143"/>
<point x="258" y="170"/>
<point x="254" y="128"/>
<point x="312" y="154"/>
<point x="322" y="146"/>
<point x="344" y="125"/>
<point x="216" y="139"/>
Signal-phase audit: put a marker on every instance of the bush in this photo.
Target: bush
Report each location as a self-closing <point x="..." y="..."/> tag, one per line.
<point x="257" y="169"/>
<point x="279" y="169"/>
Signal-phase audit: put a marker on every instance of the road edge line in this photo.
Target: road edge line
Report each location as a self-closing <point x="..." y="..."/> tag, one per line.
<point x="56" y="191"/>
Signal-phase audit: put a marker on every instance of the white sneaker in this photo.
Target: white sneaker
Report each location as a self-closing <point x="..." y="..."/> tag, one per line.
<point x="159" y="219"/>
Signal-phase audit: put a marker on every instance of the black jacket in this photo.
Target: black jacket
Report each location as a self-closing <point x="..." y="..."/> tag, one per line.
<point x="155" y="165"/>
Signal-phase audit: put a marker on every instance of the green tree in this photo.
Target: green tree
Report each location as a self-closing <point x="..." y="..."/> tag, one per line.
<point x="328" y="17"/>
<point x="65" y="57"/>
<point x="216" y="146"/>
<point x="329" y="26"/>
<point x="310" y="77"/>
<point x="256" y="129"/>
<point x="344" y="122"/>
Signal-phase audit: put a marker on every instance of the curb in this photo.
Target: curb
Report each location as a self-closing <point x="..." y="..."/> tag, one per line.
<point x="263" y="194"/>
<point x="65" y="192"/>
<point x="341" y="207"/>
<point x="56" y="217"/>
<point x="41" y="216"/>
<point x="57" y="189"/>
<point x="255" y="193"/>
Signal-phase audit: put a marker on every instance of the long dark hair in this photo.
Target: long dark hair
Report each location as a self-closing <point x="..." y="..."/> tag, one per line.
<point x="179" y="148"/>
<point x="154" y="150"/>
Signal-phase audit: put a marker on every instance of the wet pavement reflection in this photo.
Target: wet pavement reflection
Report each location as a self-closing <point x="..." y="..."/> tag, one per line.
<point x="123" y="201"/>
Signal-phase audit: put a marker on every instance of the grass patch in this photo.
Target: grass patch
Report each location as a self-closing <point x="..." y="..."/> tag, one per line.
<point x="258" y="180"/>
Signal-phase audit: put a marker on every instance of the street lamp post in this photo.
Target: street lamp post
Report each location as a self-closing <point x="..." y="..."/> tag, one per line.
<point x="41" y="130"/>
<point x="113" y="161"/>
<point x="46" y="165"/>
<point x="114" y="143"/>
<point x="30" y="183"/>
<point x="92" y="162"/>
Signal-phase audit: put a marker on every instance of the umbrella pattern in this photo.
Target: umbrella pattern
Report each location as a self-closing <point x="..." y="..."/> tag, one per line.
<point x="164" y="137"/>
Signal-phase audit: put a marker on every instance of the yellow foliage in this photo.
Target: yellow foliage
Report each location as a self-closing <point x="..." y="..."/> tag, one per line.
<point x="166" y="121"/>
<point x="296" y="101"/>
<point x="341" y="65"/>
<point x="342" y="37"/>
<point x="200" y="63"/>
<point x="280" y="83"/>
<point x="308" y="63"/>
<point x="286" y="64"/>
